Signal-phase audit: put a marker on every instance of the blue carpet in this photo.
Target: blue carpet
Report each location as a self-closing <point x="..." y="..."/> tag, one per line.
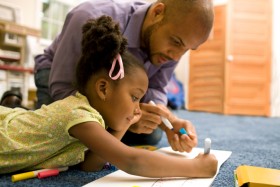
<point x="252" y="140"/>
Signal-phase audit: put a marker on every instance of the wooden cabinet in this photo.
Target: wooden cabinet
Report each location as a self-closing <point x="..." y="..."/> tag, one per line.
<point x="13" y="71"/>
<point x="231" y="72"/>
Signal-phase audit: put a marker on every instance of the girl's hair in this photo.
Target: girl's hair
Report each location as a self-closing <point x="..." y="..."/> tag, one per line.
<point x="102" y="41"/>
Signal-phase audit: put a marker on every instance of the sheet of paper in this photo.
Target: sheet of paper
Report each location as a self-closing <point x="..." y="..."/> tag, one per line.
<point x="122" y="179"/>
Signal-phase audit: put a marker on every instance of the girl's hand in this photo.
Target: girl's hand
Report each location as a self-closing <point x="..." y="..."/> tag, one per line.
<point x="206" y="165"/>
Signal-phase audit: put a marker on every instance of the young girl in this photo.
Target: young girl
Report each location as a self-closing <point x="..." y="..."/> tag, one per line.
<point x="86" y="128"/>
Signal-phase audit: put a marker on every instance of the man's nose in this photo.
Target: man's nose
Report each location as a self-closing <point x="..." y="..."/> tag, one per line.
<point x="176" y="54"/>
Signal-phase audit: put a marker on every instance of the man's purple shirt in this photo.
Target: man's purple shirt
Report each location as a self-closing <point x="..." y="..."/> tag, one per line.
<point x="63" y="54"/>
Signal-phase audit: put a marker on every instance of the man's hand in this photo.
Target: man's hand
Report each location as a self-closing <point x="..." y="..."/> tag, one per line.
<point x="180" y="142"/>
<point x="177" y="141"/>
<point x="149" y="120"/>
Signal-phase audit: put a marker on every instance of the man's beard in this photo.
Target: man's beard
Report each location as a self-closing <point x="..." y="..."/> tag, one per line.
<point x="147" y="37"/>
<point x="147" y="41"/>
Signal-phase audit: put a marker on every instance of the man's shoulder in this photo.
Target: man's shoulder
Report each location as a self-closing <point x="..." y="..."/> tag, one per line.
<point x="106" y="6"/>
<point x="120" y="10"/>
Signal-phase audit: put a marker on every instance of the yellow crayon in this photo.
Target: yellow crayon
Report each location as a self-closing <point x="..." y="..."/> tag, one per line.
<point x="26" y="175"/>
<point x="32" y="174"/>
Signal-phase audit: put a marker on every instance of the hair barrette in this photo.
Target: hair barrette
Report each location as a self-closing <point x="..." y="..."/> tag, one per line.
<point x="120" y="74"/>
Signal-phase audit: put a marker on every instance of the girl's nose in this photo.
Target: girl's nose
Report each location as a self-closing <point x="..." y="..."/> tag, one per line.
<point x="136" y="110"/>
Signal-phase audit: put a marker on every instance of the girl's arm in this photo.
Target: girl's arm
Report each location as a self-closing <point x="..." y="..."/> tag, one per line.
<point x="117" y="134"/>
<point x="137" y="161"/>
<point x="92" y="161"/>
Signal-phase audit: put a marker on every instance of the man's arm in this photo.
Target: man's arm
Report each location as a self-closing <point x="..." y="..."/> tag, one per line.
<point x="69" y="47"/>
<point x="157" y="83"/>
<point x="66" y="57"/>
<point x="158" y="79"/>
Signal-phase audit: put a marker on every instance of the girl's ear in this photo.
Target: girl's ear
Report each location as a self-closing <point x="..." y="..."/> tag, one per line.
<point x="102" y="88"/>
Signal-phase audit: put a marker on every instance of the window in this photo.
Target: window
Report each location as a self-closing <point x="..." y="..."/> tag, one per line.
<point x="53" y="16"/>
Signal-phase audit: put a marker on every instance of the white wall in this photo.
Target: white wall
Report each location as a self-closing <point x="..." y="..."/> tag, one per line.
<point x="182" y="74"/>
<point x="28" y="10"/>
<point x="275" y="85"/>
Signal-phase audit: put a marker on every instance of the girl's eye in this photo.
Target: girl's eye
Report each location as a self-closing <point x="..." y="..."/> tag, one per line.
<point x="134" y="98"/>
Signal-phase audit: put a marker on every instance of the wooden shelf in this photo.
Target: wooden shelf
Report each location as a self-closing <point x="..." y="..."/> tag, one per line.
<point x="13" y="39"/>
<point x="6" y="58"/>
<point x="10" y="27"/>
<point x="16" y="68"/>
<point x="13" y="52"/>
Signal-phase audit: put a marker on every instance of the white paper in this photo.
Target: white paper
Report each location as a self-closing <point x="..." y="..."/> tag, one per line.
<point x="122" y="179"/>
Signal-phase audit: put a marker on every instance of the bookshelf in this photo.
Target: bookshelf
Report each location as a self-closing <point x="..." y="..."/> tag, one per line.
<point x="14" y="74"/>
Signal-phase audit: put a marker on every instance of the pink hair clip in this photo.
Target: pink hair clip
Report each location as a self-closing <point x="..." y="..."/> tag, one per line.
<point x="120" y="74"/>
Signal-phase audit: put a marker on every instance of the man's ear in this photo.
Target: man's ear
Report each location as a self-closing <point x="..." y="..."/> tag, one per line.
<point x="158" y="11"/>
<point x="102" y="88"/>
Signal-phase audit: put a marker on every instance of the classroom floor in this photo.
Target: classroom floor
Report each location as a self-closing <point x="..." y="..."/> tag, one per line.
<point x="252" y="140"/>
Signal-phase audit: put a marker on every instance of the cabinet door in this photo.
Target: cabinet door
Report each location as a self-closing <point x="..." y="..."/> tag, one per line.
<point x="206" y="81"/>
<point x="248" y="57"/>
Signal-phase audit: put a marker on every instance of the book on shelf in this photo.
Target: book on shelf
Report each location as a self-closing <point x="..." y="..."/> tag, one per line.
<point x="9" y="54"/>
<point x="10" y="38"/>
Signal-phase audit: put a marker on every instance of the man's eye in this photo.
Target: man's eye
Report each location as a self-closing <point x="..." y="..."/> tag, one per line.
<point x="176" y="42"/>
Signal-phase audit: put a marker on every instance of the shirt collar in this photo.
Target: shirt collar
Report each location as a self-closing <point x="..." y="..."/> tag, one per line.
<point x="133" y="29"/>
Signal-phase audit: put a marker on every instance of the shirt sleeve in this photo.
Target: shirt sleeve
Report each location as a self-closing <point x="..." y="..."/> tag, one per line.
<point x="157" y="90"/>
<point x="66" y="56"/>
<point x="80" y="115"/>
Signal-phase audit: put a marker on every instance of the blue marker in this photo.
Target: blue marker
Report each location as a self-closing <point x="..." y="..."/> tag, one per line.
<point x="167" y="123"/>
<point x="183" y="131"/>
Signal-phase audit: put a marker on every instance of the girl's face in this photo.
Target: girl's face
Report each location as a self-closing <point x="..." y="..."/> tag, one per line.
<point x="123" y="99"/>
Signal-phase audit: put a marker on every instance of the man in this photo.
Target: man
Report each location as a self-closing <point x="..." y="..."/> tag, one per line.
<point x="158" y="34"/>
